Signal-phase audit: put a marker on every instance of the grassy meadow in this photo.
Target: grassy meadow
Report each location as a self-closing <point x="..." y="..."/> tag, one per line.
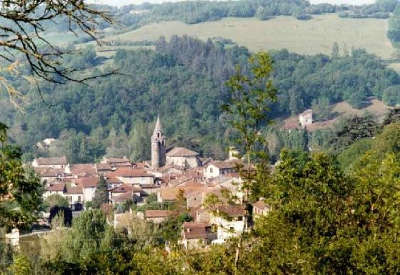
<point x="305" y="37"/>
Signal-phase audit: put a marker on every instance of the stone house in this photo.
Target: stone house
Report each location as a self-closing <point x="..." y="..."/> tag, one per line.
<point x="157" y="216"/>
<point x="51" y="175"/>
<point x="59" y="162"/>
<point x="230" y="221"/>
<point x="74" y="195"/>
<point x="125" y="192"/>
<point x="117" y="162"/>
<point x="55" y="188"/>
<point x="260" y="208"/>
<point x="182" y="157"/>
<point x="219" y="168"/>
<point x="132" y="176"/>
<point x="195" y="235"/>
<point x="89" y="185"/>
<point x="306" y="118"/>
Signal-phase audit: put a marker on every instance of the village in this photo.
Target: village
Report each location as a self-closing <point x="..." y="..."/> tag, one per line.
<point x="171" y="173"/>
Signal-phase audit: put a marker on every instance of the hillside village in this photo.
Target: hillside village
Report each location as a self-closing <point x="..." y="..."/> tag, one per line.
<point x="171" y="173"/>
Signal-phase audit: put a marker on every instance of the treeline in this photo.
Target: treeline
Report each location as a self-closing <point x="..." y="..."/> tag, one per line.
<point x="183" y="80"/>
<point x="394" y="27"/>
<point x="196" y="12"/>
<point x="192" y="12"/>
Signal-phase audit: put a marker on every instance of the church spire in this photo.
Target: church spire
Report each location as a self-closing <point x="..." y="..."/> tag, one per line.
<point x="158" y="127"/>
<point x="158" y="150"/>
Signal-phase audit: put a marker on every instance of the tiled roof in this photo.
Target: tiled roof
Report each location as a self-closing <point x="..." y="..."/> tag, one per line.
<point x="58" y="187"/>
<point x="192" y="230"/>
<point x="103" y="167"/>
<point x="129" y="173"/>
<point x="157" y="213"/>
<point x="113" y="180"/>
<point x="83" y="170"/>
<point x="122" y="197"/>
<point x="123" y="188"/>
<point x="72" y="190"/>
<point x="233" y="210"/>
<point x="52" y="161"/>
<point x="261" y="205"/>
<point x="49" y="172"/>
<point x="88" y="182"/>
<point x="224" y="164"/>
<point x="181" y="152"/>
<point x="171" y="193"/>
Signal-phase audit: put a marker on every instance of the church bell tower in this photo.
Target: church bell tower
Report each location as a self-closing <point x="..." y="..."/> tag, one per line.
<point x="158" y="150"/>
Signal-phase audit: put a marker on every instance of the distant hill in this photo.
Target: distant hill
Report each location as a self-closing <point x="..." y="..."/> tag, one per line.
<point x="120" y="3"/>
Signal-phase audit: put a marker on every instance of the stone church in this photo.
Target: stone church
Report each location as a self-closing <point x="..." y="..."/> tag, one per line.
<point x="176" y="156"/>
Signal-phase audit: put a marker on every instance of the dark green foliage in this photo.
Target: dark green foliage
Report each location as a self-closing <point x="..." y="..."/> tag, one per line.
<point x="101" y="193"/>
<point x="65" y="212"/>
<point x="20" y="190"/>
<point x="183" y="80"/>
<point x="171" y="229"/>
<point x="391" y="95"/>
<point x="394" y="26"/>
<point x="55" y="200"/>
<point x="354" y="129"/>
<point x="392" y="116"/>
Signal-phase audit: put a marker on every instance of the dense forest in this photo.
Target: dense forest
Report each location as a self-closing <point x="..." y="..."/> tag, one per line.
<point x="183" y="80"/>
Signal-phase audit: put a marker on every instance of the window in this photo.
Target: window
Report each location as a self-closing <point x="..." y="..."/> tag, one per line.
<point x="211" y="170"/>
<point x="79" y="198"/>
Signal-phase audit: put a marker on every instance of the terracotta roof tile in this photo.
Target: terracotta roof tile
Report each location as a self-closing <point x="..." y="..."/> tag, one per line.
<point x="49" y="172"/>
<point x="181" y="152"/>
<point x="88" y="182"/>
<point x="83" y="170"/>
<point x="233" y="210"/>
<point x="261" y="205"/>
<point x="52" y="161"/>
<point x="72" y="190"/>
<point x="157" y="213"/>
<point x="103" y="167"/>
<point x="224" y="164"/>
<point x="58" y="187"/>
<point x="193" y="230"/>
<point x="128" y="173"/>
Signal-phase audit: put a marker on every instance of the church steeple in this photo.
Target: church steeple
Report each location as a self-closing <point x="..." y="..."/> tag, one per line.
<point x="158" y="150"/>
<point x="158" y="127"/>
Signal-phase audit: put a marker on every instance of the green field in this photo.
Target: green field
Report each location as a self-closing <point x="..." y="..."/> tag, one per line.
<point x="305" y="37"/>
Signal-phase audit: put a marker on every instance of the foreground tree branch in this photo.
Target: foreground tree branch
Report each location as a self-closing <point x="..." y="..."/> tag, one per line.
<point x="22" y="26"/>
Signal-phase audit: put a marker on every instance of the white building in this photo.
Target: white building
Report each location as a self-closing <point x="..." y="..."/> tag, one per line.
<point x="74" y="195"/>
<point x="55" y="188"/>
<point x="230" y="221"/>
<point x="306" y="118"/>
<point x="219" y="168"/>
<point x="89" y="185"/>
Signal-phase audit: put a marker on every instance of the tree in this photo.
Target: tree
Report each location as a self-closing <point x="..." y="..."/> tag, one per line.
<point x="22" y="27"/>
<point x="20" y="190"/>
<point x="101" y="193"/>
<point x="87" y="233"/>
<point x="247" y="109"/>
<point x="354" y="129"/>
<point x="56" y="200"/>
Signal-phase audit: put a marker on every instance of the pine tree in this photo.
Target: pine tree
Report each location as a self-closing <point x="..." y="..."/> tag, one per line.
<point x="101" y="194"/>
